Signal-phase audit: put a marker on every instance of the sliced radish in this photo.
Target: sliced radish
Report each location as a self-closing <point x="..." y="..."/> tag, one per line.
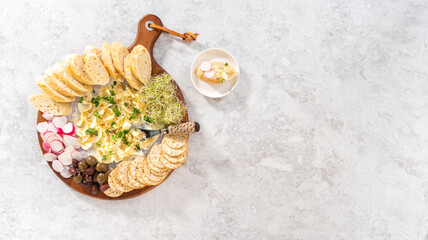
<point x="51" y="128"/>
<point x="205" y="66"/>
<point x="49" y="157"/>
<point x="71" y="141"/>
<point x="69" y="149"/>
<point x="59" y="122"/>
<point x="64" y="173"/>
<point x="42" y="127"/>
<point x="48" y="134"/>
<point x="48" y="116"/>
<point x="65" y="158"/>
<point x="46" y="146"/>
<point x="57" y="146"/>
<point x="59" y="138"/>
<point x="57" y="166"/>
<point x="209" y="74"/>
<point x="69" y="129"/>
<point x="51" y="139"/>
<point x="77" y="155"/>
<point x="59" y="131"/>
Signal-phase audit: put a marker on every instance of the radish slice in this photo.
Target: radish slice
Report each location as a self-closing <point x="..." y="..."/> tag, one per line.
<point x="42" y="127"/>
<point x="69" y="149"/>
<point x="49" y="157"/>
<point x="51" y="128"/>
<point x="69" y="129"/>
<point x="59" y="131"/>
<point x="205" y="66"/>
<point x="48" y="134"/>
<point x="77" y="155"/>
<point x="57" y="146"/>
<point x="51" y="139"/>
<point x="65" y="158"/>
<point x="64" y="173"/>
<point x="71" y="141"/>
<point x="48" y="116"/>
<point x="59" y="122"/>
<point x="57" y="166"/>
<point x="59" y="137"/>
<point x="46" y="146"/>
<point x="209" y="74"/>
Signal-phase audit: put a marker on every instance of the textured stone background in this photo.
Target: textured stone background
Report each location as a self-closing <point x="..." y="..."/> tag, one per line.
<point x="325" y="137"/>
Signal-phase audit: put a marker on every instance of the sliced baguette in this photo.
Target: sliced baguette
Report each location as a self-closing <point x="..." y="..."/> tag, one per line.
<point x="45" y="103"/>
<point x="141" y="64"/>
<point x="61" y="71"/>
<point x="60" y="86"/>
<point x="118" y="54"/>
<point x="93" y="49"/>
<point x="95" y="68"/>
<point x="132" y="80"/>
<point x="77" y="68"/>
<point x="108" y="62"/>
<point x="44" y="83"/>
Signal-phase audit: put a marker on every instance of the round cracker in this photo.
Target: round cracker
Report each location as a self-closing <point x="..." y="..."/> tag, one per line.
<point x="132" y="178"/>
<point x="173" y="152"/>
<point x="141" y="177"/>
<point x="115" y="179"/>
<point x="177" y="159"/>
<point x="170" y="165"/>
<point x="110" y="192"/>
<point x="111" y="177"/>
<point x="155" y="180"/>
<point x="154" y="156"/>
<point x="175" y="141"/>
<point x="123" y="173"/>
<point x="155" y="169"/>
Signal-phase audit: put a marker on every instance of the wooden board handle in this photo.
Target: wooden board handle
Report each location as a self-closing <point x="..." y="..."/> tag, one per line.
<point x="184" y="128"/>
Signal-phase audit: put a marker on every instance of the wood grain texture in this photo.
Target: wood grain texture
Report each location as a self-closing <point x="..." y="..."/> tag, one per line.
<point x="147" y="39"/>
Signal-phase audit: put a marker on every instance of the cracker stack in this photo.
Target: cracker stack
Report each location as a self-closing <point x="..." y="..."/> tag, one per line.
<point x="153" y="170"/>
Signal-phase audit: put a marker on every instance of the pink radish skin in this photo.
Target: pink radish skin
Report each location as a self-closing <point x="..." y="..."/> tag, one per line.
<point x="51" y="128"/>
<point x="47" y="116"/>
<point x="46" y="146"/>
<point x="209" y="74"/>
<point x="71" y="141"/>
<point x="57" y="153"/>
<point x="205" y="66"/>
<point x="77" y="155"/>
<point x="64" y="173"/>
<point x="59" y="131"/>
<point x="56" y="146"/>
<point x="65" y="158"/>
<point x="69" y="129"/>
<point x="57" y="166"/>
<point x="49" y="157"/>
<point x="59" y="122"/>
<point x="42" y="127"/>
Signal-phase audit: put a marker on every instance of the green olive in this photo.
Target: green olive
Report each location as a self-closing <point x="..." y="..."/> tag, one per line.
<point x="78" y="179"/>
<point x="101" y="178"/>
<point x="101" y="167"/>
<point x="91" y="160"/>
<point x="82" y="166"/>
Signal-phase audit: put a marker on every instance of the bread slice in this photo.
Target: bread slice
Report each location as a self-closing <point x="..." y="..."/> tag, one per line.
<point x="96" y="69"/>
<point x="132" y="80"/>
<point x="93" y="49"/>
<point x="141" y="64"/>
<point x="77" y="68"/>
<point x="61" y="71"/>
<point x="44" y="83"/>
<point x="44" y="103"/>
<point x="108" y="62"/>
<point x="118" y="54"/>
<point x="60" y="86"/>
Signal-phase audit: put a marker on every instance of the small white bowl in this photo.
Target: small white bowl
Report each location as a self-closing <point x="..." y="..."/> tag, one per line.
<point x="214" y="90"/>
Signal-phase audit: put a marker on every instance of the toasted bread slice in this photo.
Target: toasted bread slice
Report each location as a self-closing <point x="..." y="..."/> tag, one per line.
<point x="93" y="49"/>
<point x="44" y="103"/>
<point x="132" y="80"/>
<point x="108" y="62"/>
<point x="77" y="68"/>
<point x="44" y="82"/>
<point x="118" y="54"/>
<point x="141" y="64"/>
<point x="61" y="71"/>
<point x="96" y="69"/>
<point x="60" y="86"/>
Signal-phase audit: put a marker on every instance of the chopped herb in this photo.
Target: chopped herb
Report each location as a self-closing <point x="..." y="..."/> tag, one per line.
<point x="226" y="64"/>
<point x="116" y="111"/>
<point x="110" y="99"/>
<point x="107" y="131"/>
<point x="138" y="146"/>
<point x="114" y="83"/>
<point x="222" y="79"/>
<point x="98" y="144"/>
<point x="96" y="114"/>
<point x="81" y="100"/>
<point x="110" y="152"/>
<point x="113" y="123"/>
<point x="126" y="104"/>
<point x="112" y="92"/>
<point x="104" y="158"/>
<point x="132" y="117"/>
<point x="135" y="129"/>
<point x="125" y="131"/>
<point x="93" y="91"/>
<point x="147" y="119"/>
<point x="96" y="101"/>
<point x="91" y="131"/>
<point x="136" y="110"/>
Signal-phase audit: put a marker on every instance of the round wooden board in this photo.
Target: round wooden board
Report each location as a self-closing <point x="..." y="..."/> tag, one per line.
<point x="147" y="38"/>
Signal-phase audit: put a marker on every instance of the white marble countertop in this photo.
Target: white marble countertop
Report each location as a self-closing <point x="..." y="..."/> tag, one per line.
<point x="325" y="137"/>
